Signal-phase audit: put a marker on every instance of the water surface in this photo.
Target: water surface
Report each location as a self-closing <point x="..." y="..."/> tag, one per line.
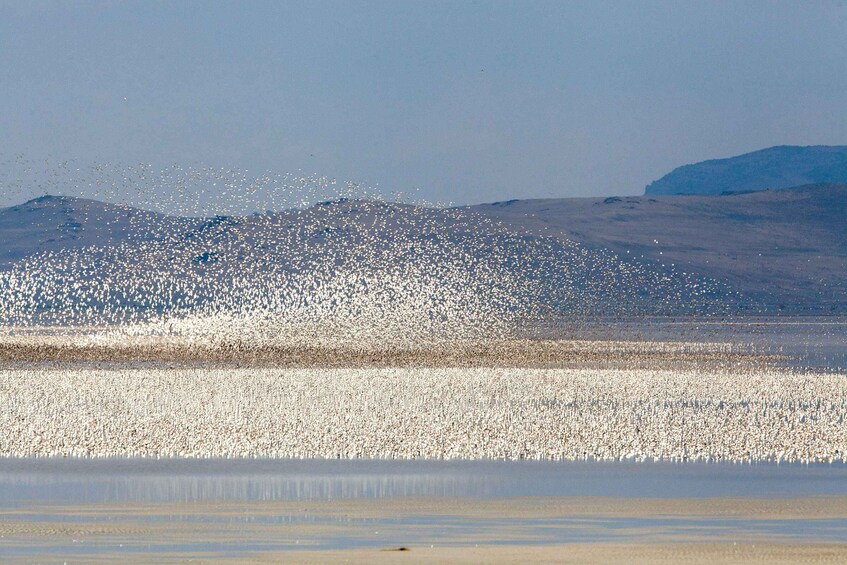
<point x="74" y="481"/>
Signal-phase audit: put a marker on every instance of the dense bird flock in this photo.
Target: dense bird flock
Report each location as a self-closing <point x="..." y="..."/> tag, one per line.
<point x="362" y="327"/>
<point x="75" y="348"/>
<point x="683" y="415"/>
<point x="354" y="267"/>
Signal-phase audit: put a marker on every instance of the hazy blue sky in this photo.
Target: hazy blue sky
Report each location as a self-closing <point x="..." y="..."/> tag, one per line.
<point x="468" y="101"/>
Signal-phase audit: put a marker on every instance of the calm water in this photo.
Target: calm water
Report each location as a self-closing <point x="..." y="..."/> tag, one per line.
<point x="72" y="481"/>
<point x="130" y="505"/>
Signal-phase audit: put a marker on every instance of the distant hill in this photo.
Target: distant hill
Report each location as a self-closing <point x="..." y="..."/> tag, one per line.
<point x="60" y="223"/>
<point x="773" y="251"/>
<point x="785" y="248"/>
<point x="784" y="166"/>
<point x="66" y="257"/>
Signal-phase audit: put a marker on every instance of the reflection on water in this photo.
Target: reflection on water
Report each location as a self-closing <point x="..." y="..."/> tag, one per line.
<point x="55" y="510"/>
<point x="92" y="481"/>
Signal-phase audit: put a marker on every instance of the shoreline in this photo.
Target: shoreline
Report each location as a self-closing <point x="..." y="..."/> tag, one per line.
<point x="576" y="529"/>
<point x="703" y="553"/>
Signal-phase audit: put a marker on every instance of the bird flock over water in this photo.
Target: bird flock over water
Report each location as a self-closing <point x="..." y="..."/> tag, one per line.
<point x="295" y="316"/>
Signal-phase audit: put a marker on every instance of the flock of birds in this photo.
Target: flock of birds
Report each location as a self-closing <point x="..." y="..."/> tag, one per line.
<point x="306" y="262"/>
<point x="353" y="266"/>
<point x="426" y="413"/>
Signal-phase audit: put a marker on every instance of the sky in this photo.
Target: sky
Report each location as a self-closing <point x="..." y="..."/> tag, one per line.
<point x="460" y="102"/>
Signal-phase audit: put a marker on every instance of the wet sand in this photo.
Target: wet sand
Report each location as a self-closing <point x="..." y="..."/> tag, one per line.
<point x="417" y="530"/>
<point x="691" y="553"/>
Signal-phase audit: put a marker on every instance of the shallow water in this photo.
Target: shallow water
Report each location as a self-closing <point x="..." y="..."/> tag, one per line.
<point x="121" y="509"/>
<point x="73" y="481"/>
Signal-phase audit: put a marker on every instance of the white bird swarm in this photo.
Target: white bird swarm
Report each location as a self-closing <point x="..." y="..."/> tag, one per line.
<point x="698" y="414"/>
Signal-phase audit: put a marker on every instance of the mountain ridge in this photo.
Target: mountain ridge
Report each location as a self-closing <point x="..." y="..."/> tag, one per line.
<point x="781" y="166"/>
<point x="785" y="249"/>
<point x="786" y="246"/>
